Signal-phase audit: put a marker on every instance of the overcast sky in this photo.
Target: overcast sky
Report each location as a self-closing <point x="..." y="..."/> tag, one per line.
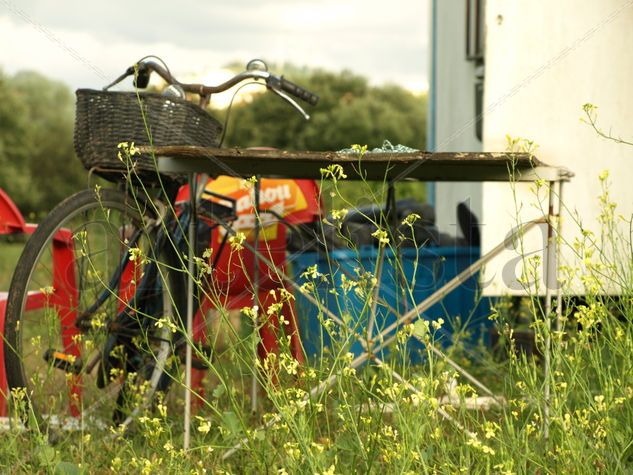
<point x="87" y="43"/>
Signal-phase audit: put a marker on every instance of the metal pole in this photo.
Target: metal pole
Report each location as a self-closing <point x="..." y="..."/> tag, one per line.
<point x="390" y="210"/>
<point x="412" y="314"/>
<point x="190" y="306"/>
<point x="375" y="294"/>
<point x="440" y="411"/>
<point x="256" y="203"/>
<point x="559" y="237"/>
<point x="460" y="278"/>
<point x="549" y="262"/>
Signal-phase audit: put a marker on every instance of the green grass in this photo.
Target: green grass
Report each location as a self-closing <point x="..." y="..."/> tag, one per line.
<point x="9" y="255"/>
<point x="372" y="420"/>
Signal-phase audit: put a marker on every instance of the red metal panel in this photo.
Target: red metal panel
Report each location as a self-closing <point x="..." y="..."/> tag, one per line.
<point x="11" y="220"/>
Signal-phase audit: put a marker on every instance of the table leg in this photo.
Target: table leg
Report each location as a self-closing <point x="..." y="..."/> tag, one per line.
<point x="549" y="265"/>
<point x="257" y="322"/>
<point x="190" y="306"/>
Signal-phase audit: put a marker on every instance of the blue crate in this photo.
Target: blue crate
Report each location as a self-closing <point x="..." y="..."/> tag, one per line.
<point x="432" y="267"/>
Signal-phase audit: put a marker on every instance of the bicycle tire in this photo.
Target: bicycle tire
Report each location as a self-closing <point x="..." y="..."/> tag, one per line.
<point x="62" y="374"/>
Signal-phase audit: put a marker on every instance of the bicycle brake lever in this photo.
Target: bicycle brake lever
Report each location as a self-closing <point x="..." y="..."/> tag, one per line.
<point x="141" y="74"/>
<point x="291" y="101"/>
<point x="128" y="72"/>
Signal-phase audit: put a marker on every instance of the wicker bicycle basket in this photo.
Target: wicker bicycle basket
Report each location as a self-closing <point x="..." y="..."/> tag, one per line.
<point x="104" y="119"/>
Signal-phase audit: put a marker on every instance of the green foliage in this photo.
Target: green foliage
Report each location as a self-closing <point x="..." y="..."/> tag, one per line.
<point x="39" y="167"/>
<point x="36" y="124"/>
<point x="9" y="252"/>
<point x="349" y="111"/>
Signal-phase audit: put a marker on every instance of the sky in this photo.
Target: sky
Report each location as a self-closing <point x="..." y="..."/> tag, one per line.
<point x="88" y="43"/>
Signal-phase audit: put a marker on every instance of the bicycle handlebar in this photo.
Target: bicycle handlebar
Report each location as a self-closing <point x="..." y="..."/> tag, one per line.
<point x="277" y="84"/>
<point x="292" y="89"/>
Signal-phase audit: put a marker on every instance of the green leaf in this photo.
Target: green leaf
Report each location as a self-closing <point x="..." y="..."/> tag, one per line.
<point x="231" y="422"/>
<point x="45" y="455"/>
<point x="219" y="391"/>
<point x="420" y="328"/>
<point x="67" y="468"/>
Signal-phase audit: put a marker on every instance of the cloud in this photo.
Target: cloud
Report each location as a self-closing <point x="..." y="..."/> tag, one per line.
<point x="371" y="37"/>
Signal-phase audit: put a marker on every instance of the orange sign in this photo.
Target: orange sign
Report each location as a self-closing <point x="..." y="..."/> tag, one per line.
<point x="292" y="200"/>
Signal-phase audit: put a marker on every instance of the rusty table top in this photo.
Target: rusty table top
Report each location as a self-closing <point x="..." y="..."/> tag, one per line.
<point x="424" y="166"/>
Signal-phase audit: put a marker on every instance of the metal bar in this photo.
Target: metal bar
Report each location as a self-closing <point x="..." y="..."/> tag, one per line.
<point x="440" y="411"/>
<point x="190" y="306"/>
<point x="254" y="384"/>
<point x="458" y="368"/>
<point x="548" y="309"/>
<point x="384" y="220"/>
<point x="455" y="282"/>
<point x="431" y="300"/>
<point x="559" y="237"/>
<point x="375" y="294"/>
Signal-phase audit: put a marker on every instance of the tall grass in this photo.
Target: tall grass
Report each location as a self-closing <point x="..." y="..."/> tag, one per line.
<point x="11" y="250"/>
<point x="388" y="415"/>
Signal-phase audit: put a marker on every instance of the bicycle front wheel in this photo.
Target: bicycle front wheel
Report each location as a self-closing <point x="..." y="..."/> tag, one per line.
<point x="92" y="313"/>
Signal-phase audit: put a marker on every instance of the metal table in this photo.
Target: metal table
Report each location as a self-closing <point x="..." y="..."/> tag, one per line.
<point x="389" y="167"/>
<point x="423" y="166"/>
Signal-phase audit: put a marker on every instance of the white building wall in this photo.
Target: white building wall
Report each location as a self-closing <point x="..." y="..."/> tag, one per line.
<point x="544" y="60"/>
<point x="454" y="108"/>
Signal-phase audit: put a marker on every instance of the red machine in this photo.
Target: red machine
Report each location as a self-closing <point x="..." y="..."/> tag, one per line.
<point x="282" y="202"/>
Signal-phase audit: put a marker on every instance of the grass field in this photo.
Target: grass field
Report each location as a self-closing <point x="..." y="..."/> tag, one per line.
<point x="9" y="255"/>
<point x="392" y="416"/>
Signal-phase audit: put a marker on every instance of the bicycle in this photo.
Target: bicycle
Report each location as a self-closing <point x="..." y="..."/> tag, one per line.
<point x="109" y="335"/>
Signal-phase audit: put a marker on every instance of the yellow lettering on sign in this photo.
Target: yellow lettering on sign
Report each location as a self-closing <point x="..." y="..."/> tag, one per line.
<point x="277" y="197"/>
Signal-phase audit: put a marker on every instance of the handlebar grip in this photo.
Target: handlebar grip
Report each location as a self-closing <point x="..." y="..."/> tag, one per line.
<point x="141" y="73"/>
<point x="297" y="91"/>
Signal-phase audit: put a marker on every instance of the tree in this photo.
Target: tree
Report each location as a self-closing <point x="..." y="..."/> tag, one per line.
<point x="39" y="166"/>
<point x="350" y="111"/>
<point x="13" y="152"/>
<point x="36" y="142"/>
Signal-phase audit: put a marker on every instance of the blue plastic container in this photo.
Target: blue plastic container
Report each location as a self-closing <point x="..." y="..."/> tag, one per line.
<point x="421" y="272"/>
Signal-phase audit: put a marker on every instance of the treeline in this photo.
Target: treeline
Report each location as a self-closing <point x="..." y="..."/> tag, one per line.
<point x="39" y="168"/>
<point x="349" y="111"/>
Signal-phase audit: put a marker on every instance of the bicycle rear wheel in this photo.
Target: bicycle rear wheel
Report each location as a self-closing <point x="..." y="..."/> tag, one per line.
<point x="91" y="313"/>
